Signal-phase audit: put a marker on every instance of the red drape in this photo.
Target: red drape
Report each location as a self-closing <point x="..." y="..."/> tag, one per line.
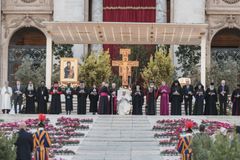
<point x="127" y="11"/>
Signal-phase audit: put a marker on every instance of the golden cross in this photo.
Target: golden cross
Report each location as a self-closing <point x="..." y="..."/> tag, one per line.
<point x="125" y="66"/>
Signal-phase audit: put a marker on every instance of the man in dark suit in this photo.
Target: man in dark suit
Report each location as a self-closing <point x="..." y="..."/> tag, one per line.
<point x="188" y="93"/>
<point x="18" y="91"/>
<point x="223" y="92"/>
<point x="24" y="143"/>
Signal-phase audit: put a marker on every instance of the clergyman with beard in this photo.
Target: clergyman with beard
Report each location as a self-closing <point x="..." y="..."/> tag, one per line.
<point x="42" y="98"/>
<point x="30" y="94"/>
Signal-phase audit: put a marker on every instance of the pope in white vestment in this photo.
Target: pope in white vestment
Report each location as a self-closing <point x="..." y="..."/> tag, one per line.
<point x="124" y="102"/>
<point x="6" y="93"/>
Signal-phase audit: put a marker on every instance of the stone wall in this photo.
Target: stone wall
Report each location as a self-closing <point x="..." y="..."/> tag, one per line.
<point x="72" y="10"/>
<point x="17" y="14"/>
<point x="190" y="11"/>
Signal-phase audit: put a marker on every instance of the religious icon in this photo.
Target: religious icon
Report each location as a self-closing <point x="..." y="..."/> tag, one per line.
<point x="69" y="70"/>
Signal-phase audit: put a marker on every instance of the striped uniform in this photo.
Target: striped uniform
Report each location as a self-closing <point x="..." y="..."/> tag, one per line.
<point x="183" y="146"/>
<point x="41" y="143"/>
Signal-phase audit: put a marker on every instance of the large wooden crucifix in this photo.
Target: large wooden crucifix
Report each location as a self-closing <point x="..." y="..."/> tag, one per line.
<point x="125" y="66"/>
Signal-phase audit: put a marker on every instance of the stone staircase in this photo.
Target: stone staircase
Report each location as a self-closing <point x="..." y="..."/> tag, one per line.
<point x="119" y="138"/>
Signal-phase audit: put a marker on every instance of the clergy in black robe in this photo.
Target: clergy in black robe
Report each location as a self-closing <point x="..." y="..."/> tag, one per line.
<point x="137" y="100"/>
<point x="24" y="144"/>
<point x="93" y="97"/>
<point x="42" y="98"/>
<point x="30" y="94"/>
<point x="56" y="92"/>
<point x="199" y="95"/>
<point x="104" y="107"/>
<point x="113" y="99"/>
<point x="188" y="95"/>
<point x="223" y="92"/>
<point x="82" y="94"/>
<point x="151" y="99"/>
<point x="211" y="100"/>
<point x="68" y="98"/>
<point x="176" y="98"/>
<point x="235" y="98"/>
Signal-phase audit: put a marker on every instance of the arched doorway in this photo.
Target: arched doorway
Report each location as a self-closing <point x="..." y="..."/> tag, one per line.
<point x="225" y="56"/>
<point x="26" y="44"/>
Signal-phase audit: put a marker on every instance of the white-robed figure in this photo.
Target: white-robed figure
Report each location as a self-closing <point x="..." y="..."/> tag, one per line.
<point x="124" y="101"/>
<point x="6" y="93"/>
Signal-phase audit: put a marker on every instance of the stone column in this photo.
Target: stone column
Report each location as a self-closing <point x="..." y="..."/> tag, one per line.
<point x="97" y="16"/>
<point x="49" y="62"/>
<point x="203" y="59"/>
<point x="161" y="11"/>
<point x="4" y="61"/>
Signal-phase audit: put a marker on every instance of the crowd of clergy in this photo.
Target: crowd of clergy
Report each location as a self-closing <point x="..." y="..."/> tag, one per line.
<point x="103" y="100"/>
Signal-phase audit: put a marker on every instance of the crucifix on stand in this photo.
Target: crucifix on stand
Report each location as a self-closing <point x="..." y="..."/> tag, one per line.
<point x="125" y="66"/>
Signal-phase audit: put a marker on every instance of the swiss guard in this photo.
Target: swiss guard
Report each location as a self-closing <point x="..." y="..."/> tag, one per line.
<point x="184" y="142"/>
<point x="41" y="141"/>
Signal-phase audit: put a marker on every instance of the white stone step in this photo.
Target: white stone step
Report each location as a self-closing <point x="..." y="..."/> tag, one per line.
<point x="119" y="138"/>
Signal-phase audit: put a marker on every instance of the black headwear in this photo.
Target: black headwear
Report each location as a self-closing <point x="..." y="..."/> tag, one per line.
<point x="199" y="83"/>
<point x="41" y="124"/>
<point x="176" y="81"/>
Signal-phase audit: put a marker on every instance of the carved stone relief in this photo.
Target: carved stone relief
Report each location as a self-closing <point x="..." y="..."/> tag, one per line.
<point x="13" y="22"/>
<point x="218" y="22"/>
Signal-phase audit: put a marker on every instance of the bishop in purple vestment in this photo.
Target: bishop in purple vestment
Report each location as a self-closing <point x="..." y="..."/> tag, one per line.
<point x="164" y="91"/>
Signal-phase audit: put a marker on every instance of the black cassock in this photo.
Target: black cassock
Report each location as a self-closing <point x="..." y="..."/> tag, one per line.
<point x="93" y="97"/>
<point x="151" y="101"/>
<point x="137" y="101"/>
<point x="176" y="99"/>
<point x="55" y="107"/>
<point x="187" y="94"/>
<point x="42" y="99"/>
<point x="211" y="99"/>
<point x="199" y="95"/>
<point x="236" y="102"/>
<point x="104" y="107"/>
<point x="113" y="101"/>
<point x="223" y="92"/>
<point x="68" y="99"/>
<point x="30" y="100"/>
<point x="82" y="94"/>
<point x="24" y="144"/>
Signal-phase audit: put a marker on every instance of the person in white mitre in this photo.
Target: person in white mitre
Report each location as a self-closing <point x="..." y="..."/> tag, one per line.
<point x="6" y="94"/>
<point x="124" y="102"/>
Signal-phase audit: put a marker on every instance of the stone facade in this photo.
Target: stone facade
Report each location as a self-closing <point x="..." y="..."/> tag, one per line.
<point x="190" y="11"/>
<point x="221" y="14"/>
<point x="16" y="14"/>
<point x="72" y="10"/>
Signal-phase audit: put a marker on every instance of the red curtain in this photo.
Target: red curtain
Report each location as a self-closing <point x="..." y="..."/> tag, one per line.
<point x="148" y="3"/>
<point x="127" y="11"/>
